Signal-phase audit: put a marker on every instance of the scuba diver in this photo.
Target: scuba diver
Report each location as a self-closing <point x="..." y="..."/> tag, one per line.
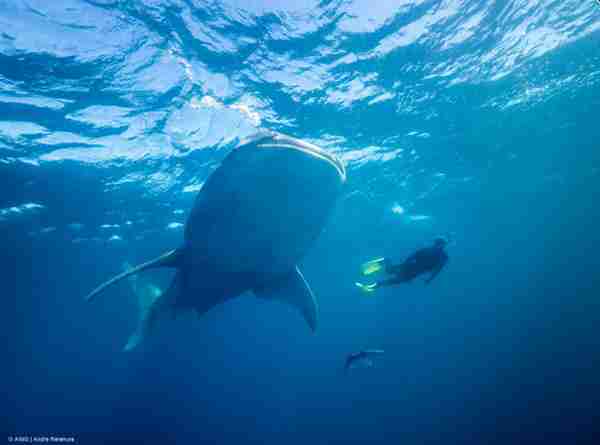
<point x="428" y="259"/>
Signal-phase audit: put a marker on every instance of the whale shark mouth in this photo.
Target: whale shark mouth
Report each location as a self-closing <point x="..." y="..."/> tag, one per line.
<point x="281" y="141"/>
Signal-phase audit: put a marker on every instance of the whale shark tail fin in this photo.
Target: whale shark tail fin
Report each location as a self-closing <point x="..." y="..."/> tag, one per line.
<point x="146" y="294"/>
<point x="127" y="266"/>
<point x="295" y="291"/>
<point x="169" y="259"/>
<point x="152" y="304"/>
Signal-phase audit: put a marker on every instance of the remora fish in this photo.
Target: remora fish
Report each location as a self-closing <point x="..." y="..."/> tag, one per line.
<point x="362" y="358"/>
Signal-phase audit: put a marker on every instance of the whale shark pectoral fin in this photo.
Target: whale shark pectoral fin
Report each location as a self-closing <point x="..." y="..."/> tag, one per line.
<point x="151" y="309"/>
<point x="293" y="290"/>
<point x="169" y="259"/>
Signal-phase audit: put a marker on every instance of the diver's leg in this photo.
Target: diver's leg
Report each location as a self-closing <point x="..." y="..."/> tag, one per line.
<point x="373" y="286"/>
<point x="398" y="270"/>
<point x="392" y="269"/>
<point x="391" y="281"/>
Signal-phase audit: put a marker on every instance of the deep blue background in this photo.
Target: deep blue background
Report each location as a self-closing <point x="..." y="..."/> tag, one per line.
<point x="501" y="348"/>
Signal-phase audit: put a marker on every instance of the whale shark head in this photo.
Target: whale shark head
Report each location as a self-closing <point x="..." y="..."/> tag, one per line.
<point x="270" y="198"/>
<point x="279" y="147"/>
<point x="296" y="173"/>
<point x="297" y="167"/>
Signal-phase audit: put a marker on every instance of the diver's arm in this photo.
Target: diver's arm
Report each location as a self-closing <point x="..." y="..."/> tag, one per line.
<point x="391" y="268"/>
<point x="437" y="270"/>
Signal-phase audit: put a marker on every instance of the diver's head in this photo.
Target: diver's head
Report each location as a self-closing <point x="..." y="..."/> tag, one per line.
<point x="440" y="242"/>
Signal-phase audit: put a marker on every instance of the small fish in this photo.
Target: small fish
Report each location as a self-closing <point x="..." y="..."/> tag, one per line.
<point x="362" y="358"/>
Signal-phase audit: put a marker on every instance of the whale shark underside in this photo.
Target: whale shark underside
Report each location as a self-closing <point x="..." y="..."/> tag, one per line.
<point x="252" y="222"/>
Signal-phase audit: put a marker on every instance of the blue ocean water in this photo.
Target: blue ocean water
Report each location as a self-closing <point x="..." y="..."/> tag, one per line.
<point x="476" y="120"/>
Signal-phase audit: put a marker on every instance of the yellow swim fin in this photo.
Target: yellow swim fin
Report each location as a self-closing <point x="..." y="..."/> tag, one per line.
<point x="367" y="288"/>
<point x="373" y="266"/>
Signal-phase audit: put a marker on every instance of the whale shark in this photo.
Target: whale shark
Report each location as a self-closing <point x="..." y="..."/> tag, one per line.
<point x="145" y="293"/>
<point x="253" y="220"/>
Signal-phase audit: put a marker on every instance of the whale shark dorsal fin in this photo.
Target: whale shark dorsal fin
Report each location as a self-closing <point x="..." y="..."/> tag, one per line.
<point x="293" y="290"/>
<point x="169" y="259"/>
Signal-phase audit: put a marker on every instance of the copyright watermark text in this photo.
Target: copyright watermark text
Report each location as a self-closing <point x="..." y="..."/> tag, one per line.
<point x="41" y="439"/>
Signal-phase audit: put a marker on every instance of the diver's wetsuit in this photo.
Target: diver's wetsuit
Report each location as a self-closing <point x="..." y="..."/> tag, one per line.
<point x="429" y="259"/>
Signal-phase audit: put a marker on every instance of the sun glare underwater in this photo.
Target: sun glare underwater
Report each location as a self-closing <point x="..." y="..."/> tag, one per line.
<point x="296" y="152"/>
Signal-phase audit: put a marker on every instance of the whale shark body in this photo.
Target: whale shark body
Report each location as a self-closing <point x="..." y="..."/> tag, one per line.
<point x="253" y="220"/>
